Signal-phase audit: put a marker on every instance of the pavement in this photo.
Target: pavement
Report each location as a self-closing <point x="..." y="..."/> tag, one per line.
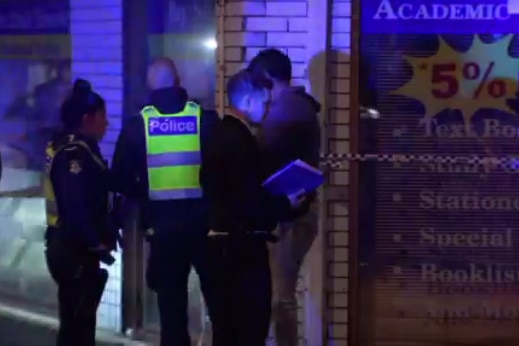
<point x="20" y="333"/>
<point x="17" y="333"/>
<point x="22" y="328"/>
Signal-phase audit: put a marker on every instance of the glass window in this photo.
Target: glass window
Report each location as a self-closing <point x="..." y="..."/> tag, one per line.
<point x="185" y="31"/>
<point x="35" y="65"/>
<point x="437" y="238"/>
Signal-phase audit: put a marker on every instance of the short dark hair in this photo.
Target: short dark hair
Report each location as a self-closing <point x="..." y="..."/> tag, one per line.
<point x="83" y="100"/>
<point x="274" y="63"/>
<point x="244" y="83"/>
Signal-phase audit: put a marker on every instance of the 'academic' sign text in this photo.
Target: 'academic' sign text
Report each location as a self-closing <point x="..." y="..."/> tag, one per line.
<point x="440" y="16"/>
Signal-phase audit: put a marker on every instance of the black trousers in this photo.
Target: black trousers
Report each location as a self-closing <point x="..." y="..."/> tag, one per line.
<point x="175" y="248"/>
<point x="81" y="283"/>
<point x="241" y="305"/>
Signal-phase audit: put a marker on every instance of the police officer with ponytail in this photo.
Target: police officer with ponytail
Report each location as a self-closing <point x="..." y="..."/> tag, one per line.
<point x="78" y="236"/>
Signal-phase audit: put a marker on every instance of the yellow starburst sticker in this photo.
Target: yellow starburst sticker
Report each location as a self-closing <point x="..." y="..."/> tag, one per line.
<point x="483" y="77"/>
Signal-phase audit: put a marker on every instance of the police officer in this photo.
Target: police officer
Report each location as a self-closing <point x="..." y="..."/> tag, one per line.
<point x="157" y="161"/>
<point x="78" y="235"/>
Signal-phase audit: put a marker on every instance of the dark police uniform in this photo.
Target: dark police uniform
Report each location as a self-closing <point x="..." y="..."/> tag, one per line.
<point x="179" y="226"/>
<point x="243" y="217"/>
<point x="77" y="214"/>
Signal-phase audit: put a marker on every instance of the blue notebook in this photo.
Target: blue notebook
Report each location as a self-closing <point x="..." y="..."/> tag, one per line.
<point x="294" y="177"/>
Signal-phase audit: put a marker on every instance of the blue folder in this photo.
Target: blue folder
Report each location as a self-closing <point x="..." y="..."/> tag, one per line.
<point x="293" y="178"/>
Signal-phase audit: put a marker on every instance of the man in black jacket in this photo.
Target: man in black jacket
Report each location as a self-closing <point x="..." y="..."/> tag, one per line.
<point x="242" y="217"/>
<point x="177" y="228"/>
<point x="289" y="132"/>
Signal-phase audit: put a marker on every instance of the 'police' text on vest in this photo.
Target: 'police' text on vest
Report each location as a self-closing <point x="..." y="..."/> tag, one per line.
<point x="175" y="125"/>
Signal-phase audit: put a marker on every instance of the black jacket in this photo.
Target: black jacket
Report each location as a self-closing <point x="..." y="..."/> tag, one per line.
<point x="129" y="165"/>
<point x="80" y="182"/>
<point x="231" y="179"/>
<point x="291" y="131"/>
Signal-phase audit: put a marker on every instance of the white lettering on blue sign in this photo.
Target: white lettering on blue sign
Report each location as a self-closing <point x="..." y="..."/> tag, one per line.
<point x="438" y="11"/>
<point x="173" y="125"/>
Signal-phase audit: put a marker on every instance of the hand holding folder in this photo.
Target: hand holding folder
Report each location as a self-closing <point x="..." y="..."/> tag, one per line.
<point x="293" y="178"/>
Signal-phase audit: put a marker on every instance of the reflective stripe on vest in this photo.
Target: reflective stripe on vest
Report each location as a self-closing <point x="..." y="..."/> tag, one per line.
<point x="51" y="206"/>
<point x="174" y="159"/>
<point x="173" y="152"/>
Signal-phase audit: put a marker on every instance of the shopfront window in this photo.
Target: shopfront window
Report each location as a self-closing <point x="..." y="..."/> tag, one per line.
<point x="439" y="243"/>
<point x="185" y="31"/>
<point x="35" y="70"/>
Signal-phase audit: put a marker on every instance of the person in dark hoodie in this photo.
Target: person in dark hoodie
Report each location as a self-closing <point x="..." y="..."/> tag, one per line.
<point x="243" y="216"/>
<point x="157" y="161"/>
<point x="290" y="131"/>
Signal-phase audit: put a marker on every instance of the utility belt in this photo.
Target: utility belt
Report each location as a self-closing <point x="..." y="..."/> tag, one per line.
<point x="58" y="240"/>
<point x="61" y="233"/>
<point x="260" y="235"/>
<point x="236" y="250"/>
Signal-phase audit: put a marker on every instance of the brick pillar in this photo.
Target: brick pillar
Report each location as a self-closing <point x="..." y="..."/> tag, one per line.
<point x="96" y="30"/>
<point x="296" y="28"/>
<point x="337" y="189"/>
<point x="251" y="26"/>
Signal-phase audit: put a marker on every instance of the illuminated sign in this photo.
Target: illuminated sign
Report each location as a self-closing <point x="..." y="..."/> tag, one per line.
<point x="482" y="77"/>
<point x="161" y="126"/>
<point x="438" y="16"/>
<point x="34" y="17"/>
<point x="442" y="249"/>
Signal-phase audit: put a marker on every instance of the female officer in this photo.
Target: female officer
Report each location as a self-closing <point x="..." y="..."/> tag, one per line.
<point x="78" y="234"/>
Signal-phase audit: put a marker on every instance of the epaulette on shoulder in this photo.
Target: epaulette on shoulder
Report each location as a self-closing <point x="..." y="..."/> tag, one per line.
<point x="76" y="149"/>
<point x="72" y="151"/>
<point x="193" y="105"/>
<point x="149" y="111"/>
<point x="71" y="147"/>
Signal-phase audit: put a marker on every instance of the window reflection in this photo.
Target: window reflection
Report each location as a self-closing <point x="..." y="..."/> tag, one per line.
<point x="185" y="31"/>
<point x="35" y="55"/>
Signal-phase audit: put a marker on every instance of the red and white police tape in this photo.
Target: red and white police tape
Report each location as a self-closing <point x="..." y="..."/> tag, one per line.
<point x="336" y="160"/>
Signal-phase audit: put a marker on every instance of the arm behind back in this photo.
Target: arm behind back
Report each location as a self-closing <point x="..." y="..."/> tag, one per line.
<point x="129" y="171"/>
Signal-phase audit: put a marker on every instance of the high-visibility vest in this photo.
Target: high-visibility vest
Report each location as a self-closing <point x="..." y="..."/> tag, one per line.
<point x="173" y="152"/>
<point x="51" y="205"/>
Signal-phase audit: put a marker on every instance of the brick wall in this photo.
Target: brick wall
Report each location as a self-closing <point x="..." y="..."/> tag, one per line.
<point x="252" y="26"/>
<point x="96" y="30"/>
<point x="97" y="55"/>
